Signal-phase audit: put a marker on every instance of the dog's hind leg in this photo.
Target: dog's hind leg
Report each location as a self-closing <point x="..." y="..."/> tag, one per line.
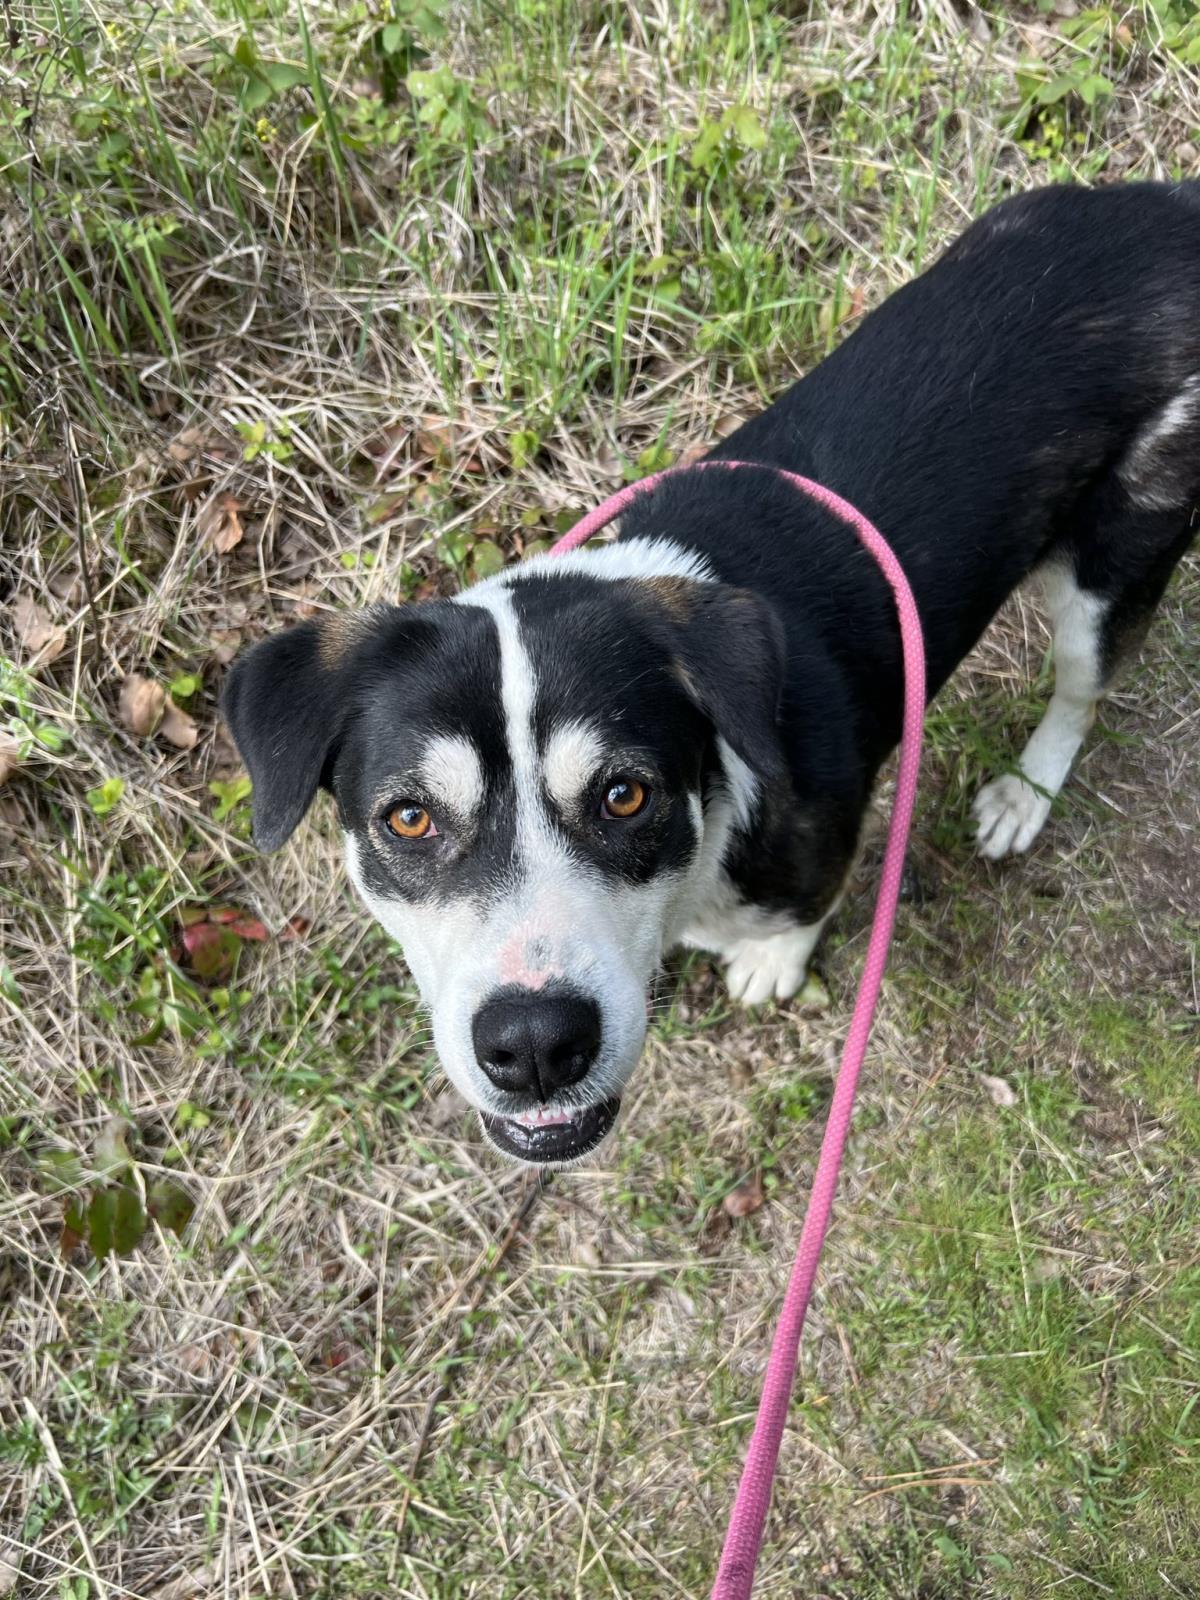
<point x="1101" y="585"/>
<point x="1010" y="811"/>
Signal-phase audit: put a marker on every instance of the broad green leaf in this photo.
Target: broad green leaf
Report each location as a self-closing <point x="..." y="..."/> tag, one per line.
<point x="486" y="560"/>
<point x="523" y="446"/>
<point x="747" y="127"/>
<point x="107" y="796"/>
<point x="101" y="1218"/>
<point x="129" y="1220"/>
<point x="170" y="1205"/>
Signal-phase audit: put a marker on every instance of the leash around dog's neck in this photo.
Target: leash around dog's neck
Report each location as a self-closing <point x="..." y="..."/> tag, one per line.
<point x="735" y="1577"/>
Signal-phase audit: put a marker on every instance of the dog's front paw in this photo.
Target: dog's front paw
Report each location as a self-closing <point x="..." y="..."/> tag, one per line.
<point x="1009" y="814"/>
<point x="770" y="968"/>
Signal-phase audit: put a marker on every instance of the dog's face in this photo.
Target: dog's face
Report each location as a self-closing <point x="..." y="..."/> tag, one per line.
<point x="535" y="781"/>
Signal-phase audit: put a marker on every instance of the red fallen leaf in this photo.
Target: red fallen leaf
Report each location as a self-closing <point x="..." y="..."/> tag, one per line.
<point x="212" y="951"/>
<point x="295" y="928"/>
<point x="748" y="1197"/>
<point x="245" y="927"/>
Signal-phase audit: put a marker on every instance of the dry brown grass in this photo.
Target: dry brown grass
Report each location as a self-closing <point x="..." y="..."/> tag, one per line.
<point x="235" y="1412"/>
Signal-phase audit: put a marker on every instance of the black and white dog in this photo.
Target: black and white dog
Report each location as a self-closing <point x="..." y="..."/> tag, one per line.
<point x="549" y="781"/>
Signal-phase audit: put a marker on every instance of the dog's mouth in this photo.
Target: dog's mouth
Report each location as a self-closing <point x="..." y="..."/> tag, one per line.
<point x="544" y="1138"/>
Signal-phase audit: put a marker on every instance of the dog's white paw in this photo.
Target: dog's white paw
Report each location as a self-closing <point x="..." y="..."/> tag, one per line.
<point x="770" y="968"/>
<point x="1009" y="814"/>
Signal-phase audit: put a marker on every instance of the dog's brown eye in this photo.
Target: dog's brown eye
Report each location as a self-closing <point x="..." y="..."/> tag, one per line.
<point x="624" y="799"/>
<point x="411" y="822"/>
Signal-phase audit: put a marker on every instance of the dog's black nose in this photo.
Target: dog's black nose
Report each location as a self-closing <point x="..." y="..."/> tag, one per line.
<point x="536" y="1043"/>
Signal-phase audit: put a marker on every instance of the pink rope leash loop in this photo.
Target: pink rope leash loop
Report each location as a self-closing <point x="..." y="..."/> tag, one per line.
<point x="739" y="1558"/>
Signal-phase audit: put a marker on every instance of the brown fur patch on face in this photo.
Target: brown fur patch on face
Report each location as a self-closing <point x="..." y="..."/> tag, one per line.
<point x="342" y="633"/>
<point x="676" y="596"/>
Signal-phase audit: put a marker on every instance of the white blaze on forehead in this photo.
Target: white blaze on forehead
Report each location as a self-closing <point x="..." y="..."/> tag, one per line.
<point x="573" y="755"/>
<point x="452" y="771"/>
<point x="518" y="694"/>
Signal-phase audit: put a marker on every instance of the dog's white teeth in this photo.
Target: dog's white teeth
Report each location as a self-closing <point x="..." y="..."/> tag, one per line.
<point x="541" y="1118"/>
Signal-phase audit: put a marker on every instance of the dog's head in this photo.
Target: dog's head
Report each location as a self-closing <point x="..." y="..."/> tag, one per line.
<point x="536" y="782"/>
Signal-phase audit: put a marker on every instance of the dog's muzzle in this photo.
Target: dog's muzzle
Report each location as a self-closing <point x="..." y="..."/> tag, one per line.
<point x="551" y="1138"/>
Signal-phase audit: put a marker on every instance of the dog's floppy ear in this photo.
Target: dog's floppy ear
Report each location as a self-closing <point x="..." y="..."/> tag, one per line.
<point x="730" y="649"/>
<point x="284" y="702"/>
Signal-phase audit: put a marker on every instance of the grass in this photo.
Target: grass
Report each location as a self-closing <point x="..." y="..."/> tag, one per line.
<point x="302" y="307"/>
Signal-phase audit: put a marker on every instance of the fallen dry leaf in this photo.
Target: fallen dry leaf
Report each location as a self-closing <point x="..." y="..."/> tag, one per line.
<point x="999" y="1092"/>
<point x="728" y="423"/>
<point x="8" y="755"/>
<point x="748" y="1197"/>
<point x="192" y="443"/>
<point x="186" y="446"/>
<point x="178" y="728"/>
<point x="68" y="587"/>
<point x="219" y="521"/>
<point x="225" y="643"/>
<point x="141" y="704"/>
<point x="37" y="633"/>
<point x="224" y="761"/>
<point x="385" y="446"/>
<point x="189" y="1586"/>
<point x="587" y="1253"/>
<point x="9" y="1570"/>
<point x="437" y="437"/>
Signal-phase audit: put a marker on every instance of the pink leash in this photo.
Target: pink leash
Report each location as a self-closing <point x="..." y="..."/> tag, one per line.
<point x="735" y="1577"/>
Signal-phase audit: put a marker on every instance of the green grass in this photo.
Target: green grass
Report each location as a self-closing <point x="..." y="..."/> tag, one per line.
<point x="401" y="287"/>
